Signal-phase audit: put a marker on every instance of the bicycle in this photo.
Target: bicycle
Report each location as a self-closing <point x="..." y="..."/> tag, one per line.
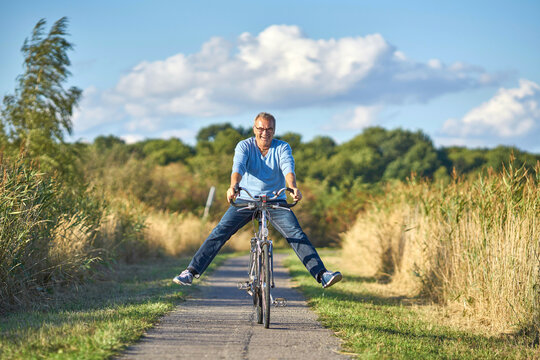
<point x="261" y="260"/>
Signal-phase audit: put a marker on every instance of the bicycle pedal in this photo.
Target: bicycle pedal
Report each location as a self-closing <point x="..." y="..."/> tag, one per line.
<point x="280" y="302"/>
<point x="243" y="285"/>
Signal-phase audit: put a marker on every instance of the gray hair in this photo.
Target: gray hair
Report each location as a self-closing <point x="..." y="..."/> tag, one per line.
<point x="266" y="116"/>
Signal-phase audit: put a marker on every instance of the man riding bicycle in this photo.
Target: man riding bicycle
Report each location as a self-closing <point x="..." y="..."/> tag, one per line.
<point x="261" y="165"/>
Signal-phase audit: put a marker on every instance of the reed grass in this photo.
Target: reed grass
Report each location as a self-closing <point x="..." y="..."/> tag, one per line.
<point x="53" y="233"/>
<point x="472" y="244"/>
<point x="121" y="232"/>
<point x="41" y="244"/>
<point x="182" y="234"/>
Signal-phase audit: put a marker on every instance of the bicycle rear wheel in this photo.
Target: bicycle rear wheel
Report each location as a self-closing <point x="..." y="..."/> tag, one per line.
<point x="266" y="285"/>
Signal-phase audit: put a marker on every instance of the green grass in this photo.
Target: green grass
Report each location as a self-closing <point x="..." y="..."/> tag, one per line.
<point x="373" y="326"/>
<point x="97" y="320"/>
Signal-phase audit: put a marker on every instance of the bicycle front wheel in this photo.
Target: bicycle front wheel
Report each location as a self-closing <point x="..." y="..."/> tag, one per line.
<point x="266" y="285"/>
<point x="257" y="289"/>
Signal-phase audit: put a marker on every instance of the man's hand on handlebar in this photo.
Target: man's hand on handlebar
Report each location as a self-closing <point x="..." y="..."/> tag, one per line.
<point x="296" y="194"/>
<point x="235" y="190"/>
<point x="232" y="193"/>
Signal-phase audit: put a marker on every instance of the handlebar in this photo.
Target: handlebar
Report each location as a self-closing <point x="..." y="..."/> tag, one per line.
<point x="256" y="199"/>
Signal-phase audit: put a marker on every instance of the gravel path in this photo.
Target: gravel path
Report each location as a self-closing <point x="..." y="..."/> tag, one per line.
<point x="219" y="323"/>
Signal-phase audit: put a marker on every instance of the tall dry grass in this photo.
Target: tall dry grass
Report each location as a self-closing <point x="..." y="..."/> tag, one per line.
<point x="44" y="239"/>
<point x="52" y="232"/>
<point x="472" y="244"/>
<point x="121" y="230"/>
<point x="182" y="234"/>
<point x="71" y="251"/>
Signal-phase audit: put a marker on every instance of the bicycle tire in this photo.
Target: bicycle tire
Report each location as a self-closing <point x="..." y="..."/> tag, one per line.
<point x="258" y="306"/>
<point x="266" y="286"/>
<point x="257" y="296"/>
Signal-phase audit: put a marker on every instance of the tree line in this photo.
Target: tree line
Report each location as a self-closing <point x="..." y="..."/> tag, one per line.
<point x="376" y="154"/>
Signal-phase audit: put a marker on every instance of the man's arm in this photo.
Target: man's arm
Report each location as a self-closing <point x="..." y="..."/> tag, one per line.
<point x="235" y="179"/>
<point x="241" y="154"/>
<point x="290" y="178"/>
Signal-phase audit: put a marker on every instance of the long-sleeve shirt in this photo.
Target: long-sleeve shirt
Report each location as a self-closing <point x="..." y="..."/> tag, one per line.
<point x="262" y="174"/>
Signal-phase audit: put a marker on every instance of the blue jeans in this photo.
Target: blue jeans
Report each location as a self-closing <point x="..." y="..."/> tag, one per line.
<point x="283" y="221"/>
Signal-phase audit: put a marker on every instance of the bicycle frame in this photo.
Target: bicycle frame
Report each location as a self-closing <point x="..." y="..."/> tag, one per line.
<point x="261" y="238"/>
<point x="261" y="264"/>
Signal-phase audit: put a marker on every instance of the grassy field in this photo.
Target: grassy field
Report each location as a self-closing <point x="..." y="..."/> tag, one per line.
<point x="378" y="325"/>
<point x="99" y="319"/>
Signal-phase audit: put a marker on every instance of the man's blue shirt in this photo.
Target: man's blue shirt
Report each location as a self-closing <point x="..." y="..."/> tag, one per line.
<point x="262" y="174"/>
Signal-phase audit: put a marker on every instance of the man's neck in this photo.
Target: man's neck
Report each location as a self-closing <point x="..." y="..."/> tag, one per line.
<point x="263" y="148"/>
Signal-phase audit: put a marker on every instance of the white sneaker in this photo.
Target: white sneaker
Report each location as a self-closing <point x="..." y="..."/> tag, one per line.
<point x="330" y="278"/>
<point x="185" y="278"/>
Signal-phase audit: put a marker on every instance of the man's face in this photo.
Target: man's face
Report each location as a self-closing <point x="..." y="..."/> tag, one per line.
<point x="264" y="132"/>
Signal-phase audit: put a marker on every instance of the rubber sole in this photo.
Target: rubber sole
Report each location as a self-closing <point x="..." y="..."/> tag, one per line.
<point x="335" y="279"/>
<point x="177" y="281"/>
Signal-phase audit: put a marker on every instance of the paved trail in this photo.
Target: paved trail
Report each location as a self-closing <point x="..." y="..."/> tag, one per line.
<point x="218" y="323"/>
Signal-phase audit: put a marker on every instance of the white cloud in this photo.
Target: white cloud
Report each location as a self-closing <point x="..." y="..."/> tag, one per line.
<point x="136" y="110"/>
<point x="356" y="119"/>
<point x="132" y="138"/>
<point x="97" y="108"/>
<point x="435" y="64"/>
<point x="96" y="114"/>
<point x="143" y="124"/>
<point x="187" y="135"/>
<point x="460" y="141"/>
<point x="510" y="113"/>
<point x="281" y="68"/>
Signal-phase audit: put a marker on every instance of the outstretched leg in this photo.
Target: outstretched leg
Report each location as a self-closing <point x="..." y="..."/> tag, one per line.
<point x="287" y="224"/>
<point x="232" y="221"/>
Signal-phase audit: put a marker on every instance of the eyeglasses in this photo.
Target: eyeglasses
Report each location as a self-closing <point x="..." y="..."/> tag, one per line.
<point x="261" y="130"/>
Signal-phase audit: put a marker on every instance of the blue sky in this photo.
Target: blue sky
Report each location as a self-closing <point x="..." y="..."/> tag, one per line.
<point x="464" y="72"/>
